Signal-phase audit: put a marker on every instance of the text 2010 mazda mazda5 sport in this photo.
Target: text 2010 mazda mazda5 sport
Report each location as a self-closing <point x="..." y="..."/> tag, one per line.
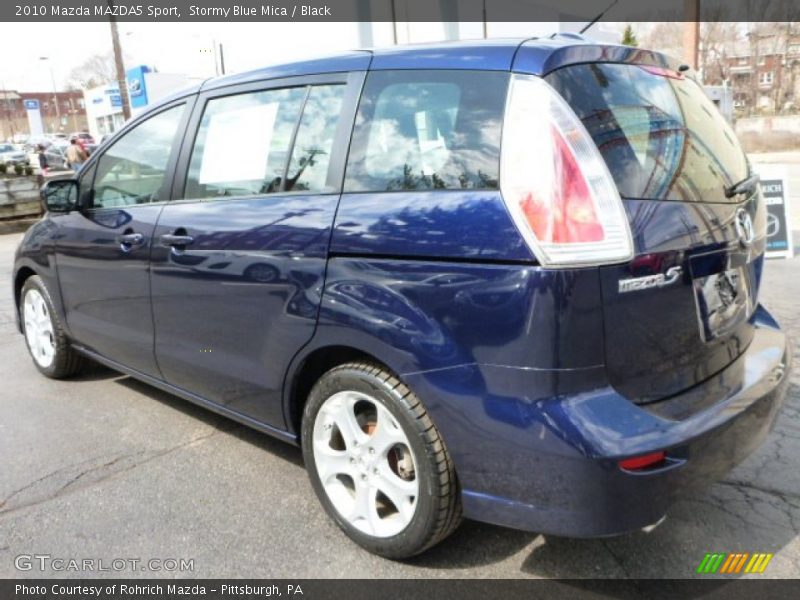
<point x="516" y="281"/>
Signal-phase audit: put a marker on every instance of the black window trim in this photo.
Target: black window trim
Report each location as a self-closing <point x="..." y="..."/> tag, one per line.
<point x="353" y="82"/>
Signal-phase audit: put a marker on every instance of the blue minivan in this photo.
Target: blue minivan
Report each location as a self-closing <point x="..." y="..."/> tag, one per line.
<point x="513" y="280"/>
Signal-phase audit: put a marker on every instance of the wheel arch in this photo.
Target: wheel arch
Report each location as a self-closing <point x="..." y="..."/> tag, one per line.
<point x="20" y="277"/>
<point x="306" y="371"/>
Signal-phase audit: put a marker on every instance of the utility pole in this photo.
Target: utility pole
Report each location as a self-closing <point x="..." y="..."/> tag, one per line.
<point x="691" y="32"/>
<point x="119" y="65"/>
<point x="55" y="92"/>
<point x="74" y="112"/>
<point x="394" y="22"/>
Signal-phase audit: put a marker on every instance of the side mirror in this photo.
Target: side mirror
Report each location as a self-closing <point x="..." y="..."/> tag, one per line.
<point x="60" y="195"/>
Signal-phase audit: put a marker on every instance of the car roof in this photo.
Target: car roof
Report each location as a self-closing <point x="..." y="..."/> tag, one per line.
<point x="537" y="56"/>
<point x="492" y="55"/>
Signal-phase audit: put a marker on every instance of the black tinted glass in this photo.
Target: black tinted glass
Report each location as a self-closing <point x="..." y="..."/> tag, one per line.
<point x="420" y="130"/>
<point x="132" y="170"/>
<point x="242" y="144"/>
<point x="311" y="156"/>
<point x="661" y="136"/>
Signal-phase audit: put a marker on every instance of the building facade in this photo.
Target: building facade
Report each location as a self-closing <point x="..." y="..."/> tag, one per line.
<point x="764" y="74"/>
<point x="60" y="112"/>
<point x="145" y="86"/>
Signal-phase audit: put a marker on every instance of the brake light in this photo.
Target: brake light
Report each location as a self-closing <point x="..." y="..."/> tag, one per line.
<point x="555" y="183"/>
<point x="637" y="463"/>
<point x="662" y="72"/>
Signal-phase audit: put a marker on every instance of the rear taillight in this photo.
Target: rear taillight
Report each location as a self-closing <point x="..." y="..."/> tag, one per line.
<point x="662" y="72"/>
<point x="555" y="183"/>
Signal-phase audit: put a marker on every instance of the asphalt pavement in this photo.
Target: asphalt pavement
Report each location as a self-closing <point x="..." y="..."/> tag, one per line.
<point x="105" y="468"/>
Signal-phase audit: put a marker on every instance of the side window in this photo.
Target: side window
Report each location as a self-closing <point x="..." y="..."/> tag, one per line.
<point x="132" y="170"/>
<point x="311" y="155"/>
<point x="242" y="144"/>
<point x="423" y="130"/>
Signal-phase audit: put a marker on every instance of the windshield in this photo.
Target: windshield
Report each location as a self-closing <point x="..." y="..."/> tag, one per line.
<point x="660" y="135"/>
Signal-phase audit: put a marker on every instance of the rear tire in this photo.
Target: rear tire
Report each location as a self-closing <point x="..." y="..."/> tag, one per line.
<point x="47" y="343"/>
<point x="377" y="462"/>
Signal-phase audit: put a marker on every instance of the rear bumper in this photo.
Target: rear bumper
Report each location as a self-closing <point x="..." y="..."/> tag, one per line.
<point x="548" y="462"/>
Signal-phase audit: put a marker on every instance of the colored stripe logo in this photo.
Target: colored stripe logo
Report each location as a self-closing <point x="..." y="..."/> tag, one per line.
<point x="735" y="562"/>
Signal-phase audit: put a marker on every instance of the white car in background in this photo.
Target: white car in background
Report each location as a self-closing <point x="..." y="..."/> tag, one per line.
<point x="12" y="155"/>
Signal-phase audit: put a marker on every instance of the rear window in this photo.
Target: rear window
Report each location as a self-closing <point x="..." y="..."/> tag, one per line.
<point x="425" y="130"/>
<point x="661" y="136"/>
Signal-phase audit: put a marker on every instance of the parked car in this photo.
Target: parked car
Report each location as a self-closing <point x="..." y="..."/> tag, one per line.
<point x="56" y="154"/>
<point x="34" y="142"/>
<point x="561" y="336"/>
<point x="84" y="137"/>
<point x="12" y="155"/>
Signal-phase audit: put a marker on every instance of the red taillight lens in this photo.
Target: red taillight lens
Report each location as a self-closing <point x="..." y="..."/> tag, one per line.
<point x="572" y="217"/>
<point x="555" y="183"/>
<point x="637" y="463"/>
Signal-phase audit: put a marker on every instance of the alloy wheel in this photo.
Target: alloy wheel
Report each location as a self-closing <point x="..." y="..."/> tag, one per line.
<point x="365" y="463"/>
<point x="39" y="328"/>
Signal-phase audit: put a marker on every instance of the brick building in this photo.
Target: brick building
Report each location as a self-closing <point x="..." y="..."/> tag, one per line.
<point x="67" y="116"/>
<point x="764" y="74"/>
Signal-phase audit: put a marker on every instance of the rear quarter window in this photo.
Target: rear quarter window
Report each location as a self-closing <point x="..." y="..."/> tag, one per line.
<point x="661" y="136"/>
<point x="427" y="130"/>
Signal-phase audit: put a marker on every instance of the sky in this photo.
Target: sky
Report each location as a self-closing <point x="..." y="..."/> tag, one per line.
<point x="186" y="47"/>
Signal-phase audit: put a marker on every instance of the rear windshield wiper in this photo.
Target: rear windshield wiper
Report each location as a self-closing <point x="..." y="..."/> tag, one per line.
<point x="745" y="186"/>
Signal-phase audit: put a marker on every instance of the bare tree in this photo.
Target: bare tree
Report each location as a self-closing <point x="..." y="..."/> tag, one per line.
<point x="771" y="41"/>
<point x="663" y="37"/>
<point x="718" y="40"/>
<point x="96" y="70"/>
<point x="787" y="73"/>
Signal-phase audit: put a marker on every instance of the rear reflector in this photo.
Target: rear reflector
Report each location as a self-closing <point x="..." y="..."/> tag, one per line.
<point x="637" y="463"/>
<point x="556" y="184"/>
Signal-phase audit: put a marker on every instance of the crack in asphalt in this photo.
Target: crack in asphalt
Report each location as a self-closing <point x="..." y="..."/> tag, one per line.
<point x="97" y="468"/>
<point x="785" y="496"/>
<point x="717" y="505"/>
<point x="70" y="486"/>
<point x="617" y="559"/>
<point x="789" y="507"/>
<point x="42" y="478"/>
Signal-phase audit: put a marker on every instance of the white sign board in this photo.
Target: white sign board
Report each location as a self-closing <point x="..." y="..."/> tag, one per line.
<point x="34" y="117"/>
<point x="775" y="188"/>
<point x="237" y="144"/>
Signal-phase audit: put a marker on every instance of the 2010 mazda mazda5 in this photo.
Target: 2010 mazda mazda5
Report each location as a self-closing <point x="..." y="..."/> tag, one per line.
<point x="513" y="280"/>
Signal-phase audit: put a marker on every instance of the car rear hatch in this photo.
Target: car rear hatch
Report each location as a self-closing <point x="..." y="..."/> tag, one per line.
<point x="680" y="310"/>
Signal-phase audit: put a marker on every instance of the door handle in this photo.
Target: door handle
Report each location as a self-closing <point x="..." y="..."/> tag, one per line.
<point x="128" y="240"/>
<point x="176" y="241"/>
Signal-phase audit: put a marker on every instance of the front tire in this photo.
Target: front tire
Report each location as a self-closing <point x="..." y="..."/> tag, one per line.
<point x="47" y="343"/>
<point x="377" y="463"/>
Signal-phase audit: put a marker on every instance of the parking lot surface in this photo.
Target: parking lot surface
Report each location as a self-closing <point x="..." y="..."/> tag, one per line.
<point x="103" y="467"/>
